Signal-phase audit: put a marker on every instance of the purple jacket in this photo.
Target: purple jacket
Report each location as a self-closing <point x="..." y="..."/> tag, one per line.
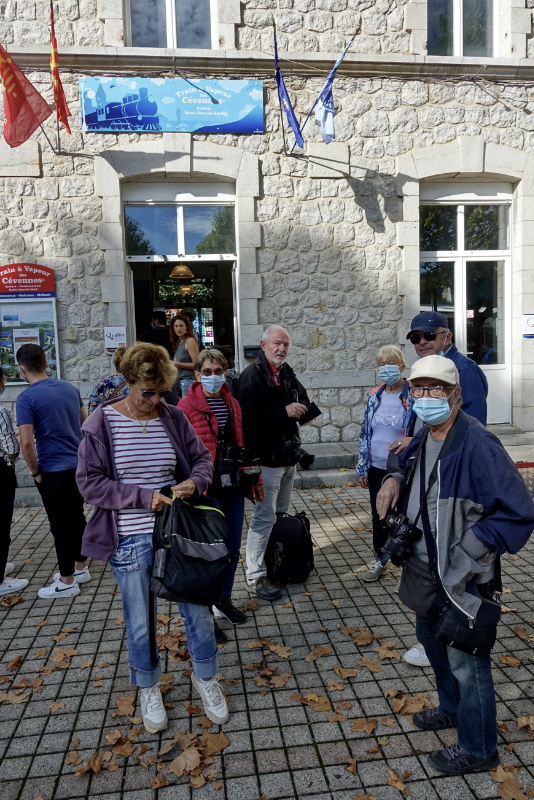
<point x="98" y="482"/>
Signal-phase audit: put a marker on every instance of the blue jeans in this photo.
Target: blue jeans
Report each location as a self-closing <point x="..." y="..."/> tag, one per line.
<point x="232" y="504"/>
<point x="465" y="691"/>
<point x="185" y="385"/>
<point x="130" y="565"/>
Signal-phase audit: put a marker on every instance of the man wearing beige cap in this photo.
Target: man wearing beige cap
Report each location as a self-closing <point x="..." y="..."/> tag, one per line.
<point x="460" y="503"/>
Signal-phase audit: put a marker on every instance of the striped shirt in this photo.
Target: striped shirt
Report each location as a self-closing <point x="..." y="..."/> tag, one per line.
<point x="220" y="409"/>
<point x="8" y="440"/>
<point x="147" y="460"/>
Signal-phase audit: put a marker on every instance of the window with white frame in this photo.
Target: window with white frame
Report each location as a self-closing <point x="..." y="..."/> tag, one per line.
<point x="463" y="28"/>
<point x="176" y="24"/>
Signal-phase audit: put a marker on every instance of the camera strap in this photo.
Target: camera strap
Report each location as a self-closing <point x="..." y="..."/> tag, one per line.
<point x="229" y="420"/>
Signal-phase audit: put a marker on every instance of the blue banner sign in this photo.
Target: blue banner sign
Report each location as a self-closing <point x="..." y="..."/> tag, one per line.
<point x="145" y="105"/>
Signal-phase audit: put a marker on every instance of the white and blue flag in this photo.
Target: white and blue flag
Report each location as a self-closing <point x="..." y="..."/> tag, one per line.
<point x="324" y="104"/>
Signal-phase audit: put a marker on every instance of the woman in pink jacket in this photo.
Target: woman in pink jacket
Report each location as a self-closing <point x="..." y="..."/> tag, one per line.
<point x="216" y="417"/>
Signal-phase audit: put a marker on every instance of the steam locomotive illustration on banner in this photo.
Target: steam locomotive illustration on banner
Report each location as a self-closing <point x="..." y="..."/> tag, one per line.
<point x="136" y="112"/>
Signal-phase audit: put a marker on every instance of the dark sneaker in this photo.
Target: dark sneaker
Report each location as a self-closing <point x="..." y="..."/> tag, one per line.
<point x="227" y="609"/>
<point x="220" y="636"/>
<point x="431" y="719"/>
<point x="454" y="760"/>
<point x="266" y="590"/>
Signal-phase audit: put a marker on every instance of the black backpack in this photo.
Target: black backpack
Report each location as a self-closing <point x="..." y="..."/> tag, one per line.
<point x="190" y="552"/>
<point x="289" y="554"/>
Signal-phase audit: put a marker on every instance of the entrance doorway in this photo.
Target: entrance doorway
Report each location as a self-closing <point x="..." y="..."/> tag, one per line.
<point x="465" y="274"/>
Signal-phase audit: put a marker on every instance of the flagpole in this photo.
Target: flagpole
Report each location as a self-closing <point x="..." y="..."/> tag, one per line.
<point x="58" y="139"/>
<point x="48" y="140"/>
<point x="278" y="89"/>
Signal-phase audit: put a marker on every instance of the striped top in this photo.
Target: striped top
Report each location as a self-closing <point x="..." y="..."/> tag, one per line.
<point x="8" y="440"/>
<point x="220" y="409"/>
<point x="147" y="460"/>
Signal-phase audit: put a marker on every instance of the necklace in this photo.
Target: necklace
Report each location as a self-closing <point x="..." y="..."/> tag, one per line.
<point x="142" y="424"/>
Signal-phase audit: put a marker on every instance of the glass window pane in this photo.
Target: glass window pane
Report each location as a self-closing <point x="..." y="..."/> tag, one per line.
<point x="193" y="24"/>
<point x="438" y="227"/>
<point x="478" y="27"/>
<point x="150" y="230"/>
<point x="148" y="22"/>
<point x="440" y="27"/>
<point x="485" y="311"/>
<point x="437" y="288"/>
<point x="486" y="228"/>
<point x="209" y="229"/>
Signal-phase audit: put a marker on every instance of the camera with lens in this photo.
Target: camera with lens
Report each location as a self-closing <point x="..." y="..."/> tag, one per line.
<point x="402" y="535"/>
<point x="239" y="467"/>
<point x="297" y="455"/>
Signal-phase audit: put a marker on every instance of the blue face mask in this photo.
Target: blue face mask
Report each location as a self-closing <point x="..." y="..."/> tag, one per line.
<point x="432" y="410"/>
<point x="441" y="353"/>
<point x="212" y="383"/>
<point x="390" y="374"/>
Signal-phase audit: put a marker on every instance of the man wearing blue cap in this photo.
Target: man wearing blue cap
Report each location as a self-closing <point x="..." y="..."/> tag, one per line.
<point x="430" y="335"/>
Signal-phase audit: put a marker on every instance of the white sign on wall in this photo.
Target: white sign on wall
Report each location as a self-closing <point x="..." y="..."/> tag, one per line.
<point x="528" y="326"/>
<point x="115" y="337"/>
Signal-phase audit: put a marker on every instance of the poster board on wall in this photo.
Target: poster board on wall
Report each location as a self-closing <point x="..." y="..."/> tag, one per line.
<point x="27" y="315"/>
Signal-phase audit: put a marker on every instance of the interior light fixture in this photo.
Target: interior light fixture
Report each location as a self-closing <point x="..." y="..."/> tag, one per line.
<point x="186" y="290"/>
<point x="181" y="271"/>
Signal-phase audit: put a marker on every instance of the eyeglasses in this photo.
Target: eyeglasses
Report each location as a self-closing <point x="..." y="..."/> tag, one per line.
<point x="147" y="393"/>
<point x="206" y="373"/>
<point x="433" y="391"/>
<point x="415" y="338"/>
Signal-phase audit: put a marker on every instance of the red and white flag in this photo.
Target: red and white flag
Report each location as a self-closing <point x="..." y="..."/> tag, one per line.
<point x="62" y="109"/>
<point x="24" y="108"/>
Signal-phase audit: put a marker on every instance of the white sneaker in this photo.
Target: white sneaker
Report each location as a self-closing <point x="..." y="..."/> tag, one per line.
<point x="12" y="585"/>
<point x="81" y="575"/>
<point x="9" y="568"/>
<point x="153" y="710"/>
<point x="59" y="589"/>
<point x="417" y="656"/>
<point x="376" y="570"/>
<point x="216" y="613"/>
<point x="213" y="698"/>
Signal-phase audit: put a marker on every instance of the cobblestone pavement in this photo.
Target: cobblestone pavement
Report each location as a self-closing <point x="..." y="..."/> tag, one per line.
<point x="279" y="747"/>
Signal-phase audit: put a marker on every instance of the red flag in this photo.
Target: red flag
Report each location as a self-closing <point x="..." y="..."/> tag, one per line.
<point x="24" y="108"/>
<point x="62" y="109"/>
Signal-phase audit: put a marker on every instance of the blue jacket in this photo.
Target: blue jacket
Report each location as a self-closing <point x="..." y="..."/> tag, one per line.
<point x="483" y="507"/>
<point x="364" y="451"/>
<point x="474" y="385"/>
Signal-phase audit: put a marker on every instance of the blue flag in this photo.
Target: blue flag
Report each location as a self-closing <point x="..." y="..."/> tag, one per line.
<point x="285" y="102"/>
<point x="324" y="111"/>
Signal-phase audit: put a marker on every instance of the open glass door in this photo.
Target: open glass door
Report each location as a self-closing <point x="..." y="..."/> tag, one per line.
<point x="465" y="275"/>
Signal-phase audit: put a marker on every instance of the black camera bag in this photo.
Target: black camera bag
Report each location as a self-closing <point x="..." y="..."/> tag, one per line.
<point x="289" y="554"/>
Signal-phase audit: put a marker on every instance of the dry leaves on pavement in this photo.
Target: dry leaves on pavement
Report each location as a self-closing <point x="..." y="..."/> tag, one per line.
<point x="86" y="664"/>
<point x="40" y="653"/>
<point x="386" y="651"/>
<point x="336" y="686"/>
<point x="10" y="600"/>
<point x="406" y="704"/>
<point x="523" y="722"/>
<point x="64" y="632"/>
<point x="367" y="725"/>
<point x="510" y="788"/>
<point x="316" y="701"/>
<point x="510" y="661"/>
<point x="73" y="759"/>
<point x="369" y="663"/>
<point x="94" y="763"/>
<point x="318" y="652"/>
<point x="158" y="782"/>
<point x="56" y="707"/>
<point x="251" y="605"/>
<point x="364" y="797"/>
<point x="345" y="673"/>
<point x="365" y="637"/>
<point x="351" y="766"/>
<point x="395" y="781"/>
<point x="125" y="707"/>
<point x="389" y="721"/>
<point x="14" y="664"/>
<point x="337" y="716"/>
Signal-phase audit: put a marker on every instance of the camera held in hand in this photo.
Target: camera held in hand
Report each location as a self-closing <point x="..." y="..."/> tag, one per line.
<point x="402" y="535"/>
<point x="297" y="454"/>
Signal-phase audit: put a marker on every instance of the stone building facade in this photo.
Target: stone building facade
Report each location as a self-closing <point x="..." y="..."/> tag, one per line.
<point x="328" y="237"/>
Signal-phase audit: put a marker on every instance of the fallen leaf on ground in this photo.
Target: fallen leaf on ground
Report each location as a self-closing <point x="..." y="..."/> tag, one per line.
<point x="385" y="651"/>
<point x="204" y="722"/>
<point x="214" y="742"/>
<point x="344" y="705"/>
<point x="251" y="605"/>
<point x="125" y="707"/>
<point x="346" y="631"/>
<point x="506" y="610"/>
<point x="94" y="763"/>
<point x="187" y="761"/>
<point x="365" y="637"/>
<point x="192" y="708"/>
<point x="103" y="665"/>
<point x="125" y="749"/>
<point x="255" y="645"/>
<point x="40" y="624"/>
<point x="337" y="716"/>
<point x="521" y="632"/>
<point x="351" y="766"/>
<point x="510" y="660"/>
<point x="14" y="664"/>
<point x="5" y="679"/>
<point x="56" y="707"/>
<point x="370" y="664"/>
<point x="373" y="750"/>
<point x="389" y="721"/>
<point x="510" y="788"/>
<point x="408" y="705"/>
<point x="278" y="681"/>
<point x="113" y="738"/>
<point x="158" y="782"/>
<point x="86" y="664"/>
<point x="383" y="740"/>
<point x="318" y="652"/>
<point x="282" y="652"/>
<point x="325" y="502"/>
<point x="73" y="759"/>
<point x="336" y="686"/>
<point x="367" y="725"/>
<point x="394" y="780"/>
<point x="39" y="653"/>
<point x="196" y="781"/>
<point x="288" y="605"/>
<point x="502" y="726"/>
<point x="217" y="785"/>
<point x="525" y="722"/>
<point x="119" y="620"/>
<point x="509" y="747"/>
<point x="75" y="744"/>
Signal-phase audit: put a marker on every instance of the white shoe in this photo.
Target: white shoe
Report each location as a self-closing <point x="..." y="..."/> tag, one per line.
<point x="81" y="575"/>
<point x="216" y="613"/>
<point x="213" y="698"/>
<point x="12" y="585"/>
<point x="9" y="568"/>
<point x="376" y="570"/>
<point x="153" y="710"/>
<point x="417" y="656"/>
<point x="59" y="589"/>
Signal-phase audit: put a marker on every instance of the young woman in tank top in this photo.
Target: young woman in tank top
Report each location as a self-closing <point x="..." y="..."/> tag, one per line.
<point x="185" y="350"/>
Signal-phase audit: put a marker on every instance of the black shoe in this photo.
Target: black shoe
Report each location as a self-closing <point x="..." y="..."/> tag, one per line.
<point x="454" y="760"/>
<point x="220" y="636"/>
<point x="227" y="609"/>
<point x="431" y="719"/>
<point x="266" y="590"/>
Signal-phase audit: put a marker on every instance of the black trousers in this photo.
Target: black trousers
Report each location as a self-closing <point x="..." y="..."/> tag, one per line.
<point x="380" y="533"/>
<point x="8" y="484"/>
<point x="64" y="507"/>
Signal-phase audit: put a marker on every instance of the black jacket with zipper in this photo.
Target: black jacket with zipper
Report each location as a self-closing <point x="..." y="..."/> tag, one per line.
<point x="266" y="425"/>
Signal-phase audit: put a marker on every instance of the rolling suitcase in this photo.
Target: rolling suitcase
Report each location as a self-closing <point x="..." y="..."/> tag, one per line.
<point x="289" y="554"/>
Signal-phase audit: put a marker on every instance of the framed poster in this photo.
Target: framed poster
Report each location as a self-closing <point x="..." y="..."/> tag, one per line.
<point x="27" y="315"/>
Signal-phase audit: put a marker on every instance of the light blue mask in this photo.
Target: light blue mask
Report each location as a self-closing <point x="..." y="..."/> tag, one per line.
<point x="441" y="353"/>
<point x="432" y="410"/>
<point x="390" y="374"/>
<point x="212" y="383"/>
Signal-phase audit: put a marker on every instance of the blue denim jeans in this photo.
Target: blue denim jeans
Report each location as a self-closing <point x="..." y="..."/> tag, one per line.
<point x="130" y="565"/>
<point x="465" y="691"/>
<point x="232" y="504"/>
